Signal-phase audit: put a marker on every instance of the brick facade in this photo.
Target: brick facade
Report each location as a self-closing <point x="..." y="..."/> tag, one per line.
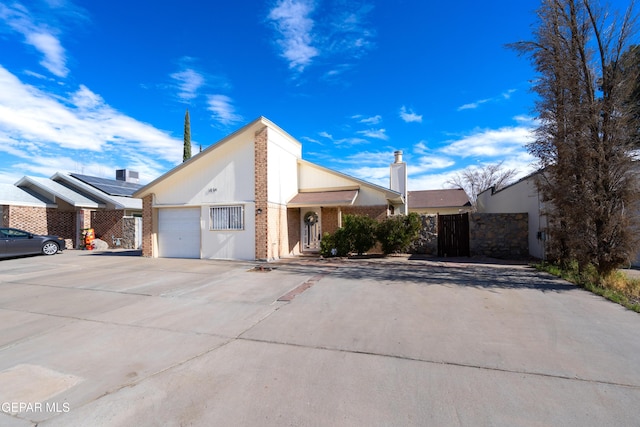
<point x="378" y="212"/>
<point x="107" y="225"/>
<point x="39" y="220"/>
<point x="261" y="196"/>
<point x="147" y="226"/>
<point x="293" y="227"/>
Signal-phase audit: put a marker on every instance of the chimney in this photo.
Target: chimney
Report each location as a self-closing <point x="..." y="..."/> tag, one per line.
<point x="398" y="156"/>
<point x="398" y="179"/>
<point x="127" y="176"/>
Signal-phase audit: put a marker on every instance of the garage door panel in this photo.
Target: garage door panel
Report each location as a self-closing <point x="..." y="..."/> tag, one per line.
<point x="179" y="233"/>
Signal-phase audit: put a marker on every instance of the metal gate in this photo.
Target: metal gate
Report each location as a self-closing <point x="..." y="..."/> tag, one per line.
<point x="453" y="235"/>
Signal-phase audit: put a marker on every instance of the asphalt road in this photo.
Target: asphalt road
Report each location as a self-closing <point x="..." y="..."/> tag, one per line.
<point x="106" y="339"/>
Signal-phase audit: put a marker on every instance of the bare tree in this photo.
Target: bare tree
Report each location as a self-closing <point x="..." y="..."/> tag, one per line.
<point x="474" y="180"/>
<point x="585" y="140"/>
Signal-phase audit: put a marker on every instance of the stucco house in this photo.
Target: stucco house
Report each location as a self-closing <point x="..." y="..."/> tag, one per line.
<point x="64" y="204"/>
<point x="520" y="197"/>
<point x="252" y="196"/>
<point x="443" y="202"/>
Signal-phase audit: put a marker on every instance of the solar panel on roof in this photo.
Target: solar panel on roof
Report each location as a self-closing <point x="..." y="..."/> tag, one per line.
<point x="110" y="186"/>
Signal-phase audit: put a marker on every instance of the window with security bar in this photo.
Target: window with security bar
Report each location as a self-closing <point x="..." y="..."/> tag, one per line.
<point x="227" y="218"/>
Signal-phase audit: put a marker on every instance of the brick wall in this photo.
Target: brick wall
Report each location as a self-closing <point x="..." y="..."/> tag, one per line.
<point x="293" y="227"/>
<point x="40" y="220"/>
<point x="329" y="218"/>
<point x="107" y="225"/>
<point x="261" y="189"/>
<point x="147" y="226"/>
<point x="378" y="212"/>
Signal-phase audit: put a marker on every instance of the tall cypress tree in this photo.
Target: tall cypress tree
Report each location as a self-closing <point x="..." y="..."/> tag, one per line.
<point x="186" y="153"/>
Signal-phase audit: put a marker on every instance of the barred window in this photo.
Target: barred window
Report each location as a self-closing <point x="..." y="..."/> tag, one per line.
<point x="227" y="218"/>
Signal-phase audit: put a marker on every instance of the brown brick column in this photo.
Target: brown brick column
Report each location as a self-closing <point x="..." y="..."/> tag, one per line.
<point x="261" y="197"/>
<point x="147" y="226"/>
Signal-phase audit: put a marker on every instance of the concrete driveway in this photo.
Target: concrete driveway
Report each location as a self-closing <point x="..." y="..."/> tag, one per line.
<point x="106" y="339"/>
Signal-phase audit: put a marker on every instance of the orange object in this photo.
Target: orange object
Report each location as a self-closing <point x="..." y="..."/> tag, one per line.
<point x="88" y="236"/>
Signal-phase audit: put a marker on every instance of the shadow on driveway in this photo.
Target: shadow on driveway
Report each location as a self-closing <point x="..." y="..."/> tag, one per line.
<point x="482" y="273"/>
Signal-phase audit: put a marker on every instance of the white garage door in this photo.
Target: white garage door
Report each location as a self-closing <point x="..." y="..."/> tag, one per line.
<point x="179" y="233"/>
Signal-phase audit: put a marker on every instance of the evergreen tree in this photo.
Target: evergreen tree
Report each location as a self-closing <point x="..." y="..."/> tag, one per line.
<point x="186" y="152"/>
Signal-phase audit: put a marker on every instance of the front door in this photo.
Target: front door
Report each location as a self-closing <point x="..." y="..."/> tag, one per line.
<point x="311" y="231"/>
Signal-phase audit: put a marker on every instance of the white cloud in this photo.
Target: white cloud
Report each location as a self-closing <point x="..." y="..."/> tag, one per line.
<point x="188" y="81"/>
<point x="473" y="105"/>
<point x="375" y="133"/>
<point x="18" y="18"/>
<point x="223" y="110"/>
<point x="44" y="129"/>
<point x="293" y="24"/>
<point x="420" y="147"/>
<point x="373" y="120"/>
<point x="491" y="142"/>
<point x="341" y="34"/>
<point x="428" y="163"/>
<point x="409" y="116"/>
<point x="342" y="141"/>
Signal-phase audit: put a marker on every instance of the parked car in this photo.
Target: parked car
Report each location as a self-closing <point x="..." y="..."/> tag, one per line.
<point x="14" y="242"/>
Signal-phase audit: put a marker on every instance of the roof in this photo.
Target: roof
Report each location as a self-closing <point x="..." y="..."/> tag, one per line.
<point x="15" y="196"/>
<point x="324" y="198"/>
<point x="260" y="122"/>
<point x="112" y="187"/>
<point x="120" y="202"/>
<point x="256" y="124"/>
<point x="57" y="190"/>
<point x="438" y="198"/>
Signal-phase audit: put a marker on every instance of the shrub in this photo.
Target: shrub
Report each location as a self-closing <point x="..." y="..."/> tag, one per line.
<point x="357" y="234"/>
<point x="360" y="232"/>
<point x="397" y="233"/>
<point x="336" y="244"/>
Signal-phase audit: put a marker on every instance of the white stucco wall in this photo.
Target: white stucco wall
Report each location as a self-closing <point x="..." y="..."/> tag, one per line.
<point x="224" y="174"/>
<point x="520" y="197"/>
<point x="232" y="244"/>
<point x="312" y="177"/>
<point x="221" y="177"/>
<point x="282" y="167"/>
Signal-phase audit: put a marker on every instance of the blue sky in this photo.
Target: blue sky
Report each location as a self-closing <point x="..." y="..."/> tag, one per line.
<point x="90" y="87"/>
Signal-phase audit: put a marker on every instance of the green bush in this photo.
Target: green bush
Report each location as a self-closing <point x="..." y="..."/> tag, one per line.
<point x="336" y="244"/>
<point x="360" y="232"/>
<point x="397" y="233"/>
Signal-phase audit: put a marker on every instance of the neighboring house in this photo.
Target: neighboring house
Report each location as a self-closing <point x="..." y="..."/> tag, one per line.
<point x="64" y="204"/>
<point x="443" y="202"/>
<point x="520" y="197"/>
<point x="251" y="196"/>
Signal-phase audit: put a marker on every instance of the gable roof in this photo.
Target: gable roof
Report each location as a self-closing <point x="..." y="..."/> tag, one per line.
<point x="16" y="196"/>
<point x="256" y="125"/>
<point x="448" y="198"/>
<point x="111" y="187"/>
<point x="119" y="201"/>
<point x="56" y="190"/>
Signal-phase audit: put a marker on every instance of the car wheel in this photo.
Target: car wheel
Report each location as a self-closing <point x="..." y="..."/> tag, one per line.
<point x="50" y="248"/>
